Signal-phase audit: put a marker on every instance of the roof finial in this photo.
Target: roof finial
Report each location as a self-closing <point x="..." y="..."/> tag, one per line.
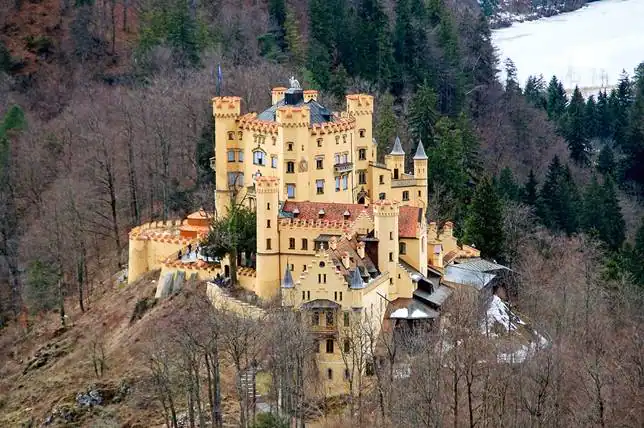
<point x="397" y="150"/>
<point x="420" y="151"/>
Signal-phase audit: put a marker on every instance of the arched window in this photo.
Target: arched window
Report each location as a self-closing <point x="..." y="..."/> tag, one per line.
<point x="231" y="135"/>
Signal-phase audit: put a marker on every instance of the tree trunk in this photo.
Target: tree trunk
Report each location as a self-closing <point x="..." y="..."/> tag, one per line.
<point x="61" y="302"/>
<point x="80" y="275"/>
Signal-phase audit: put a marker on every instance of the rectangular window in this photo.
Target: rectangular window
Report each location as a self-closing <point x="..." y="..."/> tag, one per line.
<point x="258" y="158"/>
<point x="268" y="224"/>
<point x="340" y="295"/>
<point x="405" y="195"/>
<point x="315" y="318"/>
<point x="324" y="278"/>
<point x="362" y="154"/>
<point x="336" y="158"/>
<point x="231" y="156"/>
<point x="319" y="187"/>
<point x="329" y="319"/>
<point x="402" y="248"/>
<point x="362" y="177"/>
<point x="337" y="184"/>
<point x="240" y="156"/>
<point x="308" y="295"/>
<point x="382" y="179"/>
<point x="346" y="319"/>
<point x="290" y="191"/>
<point x="268" y="243"/>
<point x="335" y="296"/>
<point x="329" y="374"/>
<point x="419" y="193"/>
<point x="305" y="245"/>
<point x="329" y="349"/>
<point x="391" y="236"/>
<point x="391" y="257"/>
<point x="382" y="196"/>
<point x="319" y="163"/>
<point x="303" y="295"/>
<point x="274" y="161"/>
<point x="289" y="147"/>
<point x="303" y="268"/>
<point x="345" y="158"/>
<point x="345" y="182"/>
<point x="235" y="179"/>
<point x="290" y="167"/>
<point x="362" y="132"/>
<point x="291" y="243"/>
<point x="268" y="206"/>
<point x="319" y="142"/>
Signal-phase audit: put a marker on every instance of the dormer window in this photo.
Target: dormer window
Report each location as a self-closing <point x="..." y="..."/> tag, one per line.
<point x="346" y="214"/>
<point x="296" y="212"/>
<point x="321" y="212"/>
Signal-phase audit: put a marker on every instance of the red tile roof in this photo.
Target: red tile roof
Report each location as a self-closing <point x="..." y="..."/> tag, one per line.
<point x="408" y="220"/>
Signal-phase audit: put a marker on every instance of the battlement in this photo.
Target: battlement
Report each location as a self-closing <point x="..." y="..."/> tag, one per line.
<point x="277" y="94"/>
<point x="267" y="184"/>
<point x="295" y="223"/>
<point x="342" y="125"/>
<point x="359" y="104"/>
<point x="310" y="94"/>
<point x="385" y="208"/>
<point x="293" y="117"/>
<point x="226" y="106"/>
<point x="250" y="122"/>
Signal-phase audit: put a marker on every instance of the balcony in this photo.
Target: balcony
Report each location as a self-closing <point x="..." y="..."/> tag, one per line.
<point x="340" y="168"/>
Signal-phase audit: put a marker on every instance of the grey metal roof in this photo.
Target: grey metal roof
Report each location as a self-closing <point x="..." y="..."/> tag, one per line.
<point x="287" y="281"/>
<point x="418" y="276"/>
<point x="397" y="150"/>
<point x="479" y="265"/>
<point x="319" y="113"/>
<point x="461" y="275"/>
<point x="420" y="152"/>
<point x="436" y="298"/>
<point x="356" y="282"/>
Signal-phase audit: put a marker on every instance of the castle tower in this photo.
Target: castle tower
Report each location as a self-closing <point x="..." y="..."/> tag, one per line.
<point x="267" y="282"/>
<point x="277" y="94"/>
<point x="385" y="219"/>
<point x="226" y="111"/>
<point x="420" y="174"/>
<point x="395" y="160"/>
<point x="137" y="258"/>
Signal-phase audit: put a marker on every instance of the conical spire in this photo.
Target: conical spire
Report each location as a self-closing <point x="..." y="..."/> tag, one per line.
<point x="397" y="150"/>
<point x="356" y="279"/>
<point x="420" y="152"/>
<point x="287" y="281"/>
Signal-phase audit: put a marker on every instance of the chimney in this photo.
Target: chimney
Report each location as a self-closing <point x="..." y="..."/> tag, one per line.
<point x="346" y="261"/>
<point x="360" y="250"/>
<point x="293" y="97"/>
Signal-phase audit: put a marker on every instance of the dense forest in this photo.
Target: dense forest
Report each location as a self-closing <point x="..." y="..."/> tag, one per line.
<point x="106" y="124"/>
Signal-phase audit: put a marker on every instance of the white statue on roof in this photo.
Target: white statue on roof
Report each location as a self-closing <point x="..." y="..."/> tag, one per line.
<point x="294" y="83"/>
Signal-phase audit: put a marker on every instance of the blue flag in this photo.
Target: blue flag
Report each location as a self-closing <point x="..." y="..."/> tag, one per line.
<point x="219" y="79"/>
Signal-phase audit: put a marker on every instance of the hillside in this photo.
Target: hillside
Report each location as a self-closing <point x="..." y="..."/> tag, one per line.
<point x="45" y="369"/>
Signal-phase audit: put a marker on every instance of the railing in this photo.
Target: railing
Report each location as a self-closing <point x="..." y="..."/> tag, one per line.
<point x="340" y="168"/>
<point x="403" y="182"/>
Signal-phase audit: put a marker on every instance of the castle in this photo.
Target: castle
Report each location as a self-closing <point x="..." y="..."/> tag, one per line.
<point x="340" y="236"/>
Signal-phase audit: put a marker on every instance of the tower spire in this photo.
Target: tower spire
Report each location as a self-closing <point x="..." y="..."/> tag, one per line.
<point x="420" y="152"/>
<point x="397" y="149"/>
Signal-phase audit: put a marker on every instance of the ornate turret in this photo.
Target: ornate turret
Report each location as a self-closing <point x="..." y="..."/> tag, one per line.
<point x="397" y="149"/>
<point x="420" y="174"/>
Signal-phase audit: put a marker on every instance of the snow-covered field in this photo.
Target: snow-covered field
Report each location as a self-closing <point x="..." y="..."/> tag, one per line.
<point x="588" y="47"/>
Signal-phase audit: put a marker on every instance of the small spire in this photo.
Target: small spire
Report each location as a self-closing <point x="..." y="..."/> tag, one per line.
<point x="397" y="150"/>
<point x="420" y="152"/>
<point x="287" y="281"/>
<point x="356" y="279"/>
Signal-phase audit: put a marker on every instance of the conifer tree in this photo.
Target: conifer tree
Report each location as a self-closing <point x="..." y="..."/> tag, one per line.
<point x="613" y="227"/>
<point x="620" y="102"/>
<point x="508" y="188"/>
<point x="423" y="113"/>
<point x="386" y="125"/>
<point x="511" y="81"/>
<point x="483" y="225"/>
<point x="573" y="128"/>
<point x="535" y="91"/>
<point x="606" y="160"/>
<point x="277" y="17"/>
<point x="556" y="99"/>
<point x="293" y="39"/>
<point x="591" y="118"/>
<point x="530" y="190"/>
<point x="634" y="142"/>
<point x="635" y="256"/>
<point x="603" y="116"/>
<point x="559" y="200"/>
<point x="374" y="51"/>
